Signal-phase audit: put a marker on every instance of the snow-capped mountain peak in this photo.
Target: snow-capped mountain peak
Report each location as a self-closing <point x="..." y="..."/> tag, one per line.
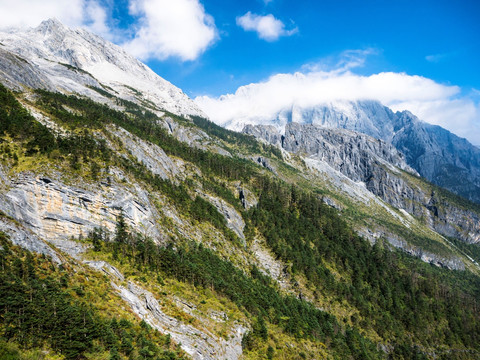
<point x="52" y="46"/>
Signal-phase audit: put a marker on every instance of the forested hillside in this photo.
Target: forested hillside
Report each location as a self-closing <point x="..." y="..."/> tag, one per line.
<point x="345" y="298"/>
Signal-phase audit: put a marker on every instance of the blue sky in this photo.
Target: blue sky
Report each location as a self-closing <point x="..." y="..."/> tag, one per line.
<point x="405" y="35"/>
<point x="244" y="58"/>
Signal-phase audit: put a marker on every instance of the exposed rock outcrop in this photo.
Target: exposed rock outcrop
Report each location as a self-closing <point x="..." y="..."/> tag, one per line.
<point x="234" y="219"/>
<point x="246" y="197"/>
<point x="26" y="239"/>
<point x="201" y="345"/>
<point x="53" y="210"/>
<point x="353" y="153"/>
<point x="150" y="155"/>
<point x="260" y="160"/>
<point x="17" y="73"/>
<point x="450" y="262"/>
<point x="379" y="166"/>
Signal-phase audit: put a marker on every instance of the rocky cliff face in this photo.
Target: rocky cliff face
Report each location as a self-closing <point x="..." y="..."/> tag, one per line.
<point x="56" y="211"/>
<point x="380" y="167"/>
<point x="353" y="153"/>
<point x="439" y="156"/>
<point x="17" y="72"/>
<point x="436" y="154"/>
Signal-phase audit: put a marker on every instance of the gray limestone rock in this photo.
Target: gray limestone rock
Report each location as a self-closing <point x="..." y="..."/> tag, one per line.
<point x="26" y="239"/>
<point x="452" y="262"/>
<point x="268" y="133"/>
<point x="260" y="160"/>
<point x="247" y="198"/>
<point x="55" y="211"/>
<point x="105" y="267"/>
<point x="234" y="219"/>
<point x="352" y="153"/>
<point x="18" y="73"/>
<point x="200" y="345"/>
<point x="378" y="165"/>
<point x="151" y="155"/>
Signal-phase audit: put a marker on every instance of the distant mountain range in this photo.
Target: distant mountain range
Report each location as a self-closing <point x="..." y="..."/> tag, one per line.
<point x="435" y="153"/>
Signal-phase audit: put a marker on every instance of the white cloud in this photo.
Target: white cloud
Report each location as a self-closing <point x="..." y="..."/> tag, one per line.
<point x="164" y="28"/>
<point x="23" y="13"/>
<point x="178" y="28"/>
<point x="267" y="27"/>
<point x="347" y="60"/>
<point x="97" y="19"/>
<point x="74" y="13"/>
<point x="436" y="58"/>
<point x="432" y="102"/>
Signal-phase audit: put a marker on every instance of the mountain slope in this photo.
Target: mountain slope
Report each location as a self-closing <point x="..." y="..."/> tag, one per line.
<point x="439" y="155"/>
<point x="380" y="169"/>
<point x="233" y="247"/>
<point x="436" y="154"/>
<point x="76" y="61"/>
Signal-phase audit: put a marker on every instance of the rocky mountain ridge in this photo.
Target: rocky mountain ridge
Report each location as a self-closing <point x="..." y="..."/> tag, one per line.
<point x="435" y="153"/>
<point x="380" y="167"/>
<point x="54" y="57"/>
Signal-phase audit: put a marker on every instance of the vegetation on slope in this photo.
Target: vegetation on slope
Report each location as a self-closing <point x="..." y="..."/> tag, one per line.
<point x="411" y="307"/>
<point x="81" y="149"/>
<point x="236" y="139"/>
<point x="255" y="293"/>
<point x="396" y="296"/>
<point x="43" y="306"/>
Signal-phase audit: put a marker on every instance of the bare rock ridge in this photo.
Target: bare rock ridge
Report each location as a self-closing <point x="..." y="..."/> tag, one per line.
<point x="199" y="344"/>
<point x="378" y="165"/>
<point x="18" y="72"/>
<point x="54" y="57"/>
<point x="438" y="155"/>
<point x="55" y="211"/>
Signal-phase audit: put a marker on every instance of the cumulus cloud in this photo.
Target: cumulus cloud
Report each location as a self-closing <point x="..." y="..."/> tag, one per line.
<point x="267" y="27"/>
<point x="96" y="20"/>
<point x="179" y="28"/>
<point x="432" y="102"/>
<point x="162" y="29"/>
<point x="30" y="13"/>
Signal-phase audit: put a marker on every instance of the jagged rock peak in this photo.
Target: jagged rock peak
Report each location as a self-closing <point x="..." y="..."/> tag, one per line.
<point x="50" y="26"/>
<point x="103" y="64"/>
<point x="438" y="155"/>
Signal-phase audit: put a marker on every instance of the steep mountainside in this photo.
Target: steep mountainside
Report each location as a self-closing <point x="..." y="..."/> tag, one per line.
<point x="382" y="170"/>
<point x="54" y="57"/>
<point x="130" y="232"/>
<point x="438" y="155"/>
